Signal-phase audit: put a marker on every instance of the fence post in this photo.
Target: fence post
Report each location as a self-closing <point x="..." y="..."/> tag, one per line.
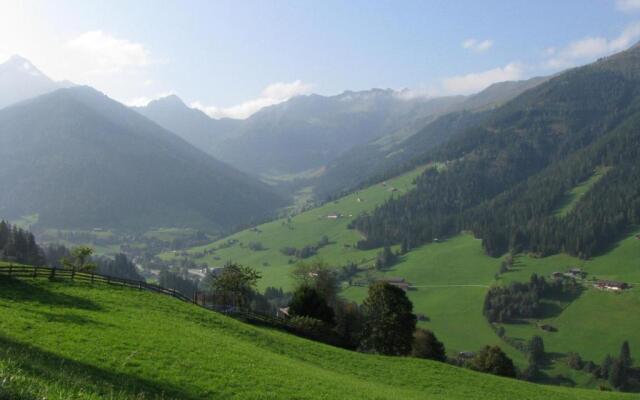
<point x="92" y="277"/>
<point x="10" y="269"/>
<point x="53" y="274"/>
<point x="35" y="272"/>
<point x="73" y="274"/>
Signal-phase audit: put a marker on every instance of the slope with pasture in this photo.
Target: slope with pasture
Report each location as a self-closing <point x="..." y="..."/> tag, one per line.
<point x="73" y="340"/>
<point x="307" y="228"/>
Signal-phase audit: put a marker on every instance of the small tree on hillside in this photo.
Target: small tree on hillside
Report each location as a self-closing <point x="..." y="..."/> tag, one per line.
<point x="426" y="345"/>
<point x="389" y="321"/>
<point x="320" y="276"/>
<point x="625" y="355"/>
<point x="618" y="374"/>
<point x="79" y="260"/>
<point x="536" y="351"/>
<point x="235" y="284"/>
<point x="493" y="360"/>
<point x="308" y="302"/>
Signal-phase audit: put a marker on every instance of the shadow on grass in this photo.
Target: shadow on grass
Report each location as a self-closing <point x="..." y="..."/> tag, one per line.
<point x="24" y="291"/>
<point x="71" y="319"/>
<point x="57" y="371"/>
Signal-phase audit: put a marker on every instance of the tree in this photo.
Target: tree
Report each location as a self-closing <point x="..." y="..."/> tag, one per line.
<point x="80" y="259"/>
<point x="618" y="374"/>
<point x="235" y="284"/>
<point x="426" y="345"/>
<point x="536" y="350"/>
<point x="308" y="302"/>
<point x="605" y="367"/>
<point x="389" y="321"/>
<point x="385" y="258"/>
<point x="493" y="360"/>
<point x="349" y="322"/>
<point x="574" y="361"/>
<point x="625" y="355"/>
<point x="320" y="276"/>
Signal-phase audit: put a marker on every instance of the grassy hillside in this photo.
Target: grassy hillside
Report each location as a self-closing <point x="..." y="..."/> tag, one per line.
<point x="304" y="229"/>
<point x="451" y="277"/>
<point x="63" y="340"/>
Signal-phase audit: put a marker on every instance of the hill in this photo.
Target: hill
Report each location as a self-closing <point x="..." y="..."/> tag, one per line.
<point x="78" y="159"/>
<point x="450" y="279"/>
<point x="506" y="176"/>
<point x="390" y="154"/>
<point x="192" y="125"/>
<point x="63" y="340"/>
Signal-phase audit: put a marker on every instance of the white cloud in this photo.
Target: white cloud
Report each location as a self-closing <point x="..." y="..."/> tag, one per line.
<point x="628" y="5"/>
<point x="273" y="94"/>
<point x="476" y="45"/>
<point x="590" y="48"/>
<point x="103" y="54"/>
<point x="477" y="81"/>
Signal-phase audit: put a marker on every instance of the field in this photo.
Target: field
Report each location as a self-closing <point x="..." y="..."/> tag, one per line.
<point x="451" y="277"/>
<point x="75" y="341"/>
<point x="301" y="230"/>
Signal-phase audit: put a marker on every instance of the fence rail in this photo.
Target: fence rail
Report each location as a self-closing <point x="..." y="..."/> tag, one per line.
<point x="24" y="271"/>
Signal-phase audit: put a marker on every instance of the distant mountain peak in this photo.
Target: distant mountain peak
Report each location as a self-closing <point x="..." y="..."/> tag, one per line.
<point x="170" y="100"/>
<point x="21" y="64"/>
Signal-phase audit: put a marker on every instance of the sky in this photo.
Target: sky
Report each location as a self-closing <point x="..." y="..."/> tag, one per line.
<point x="230" y="58"/>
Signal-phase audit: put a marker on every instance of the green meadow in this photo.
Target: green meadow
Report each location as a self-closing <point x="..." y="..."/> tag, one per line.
<point x="62" y="340"/>
<point x="304" y="229"/>
<point x="450" y="279"/>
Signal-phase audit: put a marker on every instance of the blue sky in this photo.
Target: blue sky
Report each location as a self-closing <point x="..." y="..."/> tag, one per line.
<point x="232" y="57"/>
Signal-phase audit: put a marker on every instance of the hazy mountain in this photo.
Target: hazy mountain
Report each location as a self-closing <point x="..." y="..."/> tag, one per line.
<point x="388" y="154"/>
<point x="303" y="133"/>
<point x="81" y="160"/>
<point x="507" y="177"/>
<point x="192" y="125"/>
<point x="21" y="80"/>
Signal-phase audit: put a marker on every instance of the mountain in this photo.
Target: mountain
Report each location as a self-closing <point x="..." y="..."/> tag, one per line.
<point x="191" y="124"/>
<point x="513" y="177"/>
<point x="21" y="80"/>
<point x="79" y="160"/>
<point x="301" y="134"/>
<point x="391" y="154"/>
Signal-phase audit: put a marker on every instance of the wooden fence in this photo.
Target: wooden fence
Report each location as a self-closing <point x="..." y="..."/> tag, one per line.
<point x="24" y="271"/>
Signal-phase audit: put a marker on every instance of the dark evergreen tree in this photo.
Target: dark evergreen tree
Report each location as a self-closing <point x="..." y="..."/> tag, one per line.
<point x="308" y="302"/>
<point x="625" y="355"/>
<point x="536" y="351"/>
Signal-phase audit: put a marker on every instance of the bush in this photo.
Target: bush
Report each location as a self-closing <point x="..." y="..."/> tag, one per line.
<point x="574" y="361"/>
<point x="426" y="345"/>
<point x="308" y="302"/>
<point x="493" y="360"/>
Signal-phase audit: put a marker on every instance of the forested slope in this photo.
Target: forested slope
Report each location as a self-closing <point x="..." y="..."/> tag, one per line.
<point x="506" y="175"/>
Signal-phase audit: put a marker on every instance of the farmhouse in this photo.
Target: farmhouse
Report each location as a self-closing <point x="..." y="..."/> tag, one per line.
<point x="612" y="285"/>
<point x="334" y="216"/>
<point x="557" y="275"/>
